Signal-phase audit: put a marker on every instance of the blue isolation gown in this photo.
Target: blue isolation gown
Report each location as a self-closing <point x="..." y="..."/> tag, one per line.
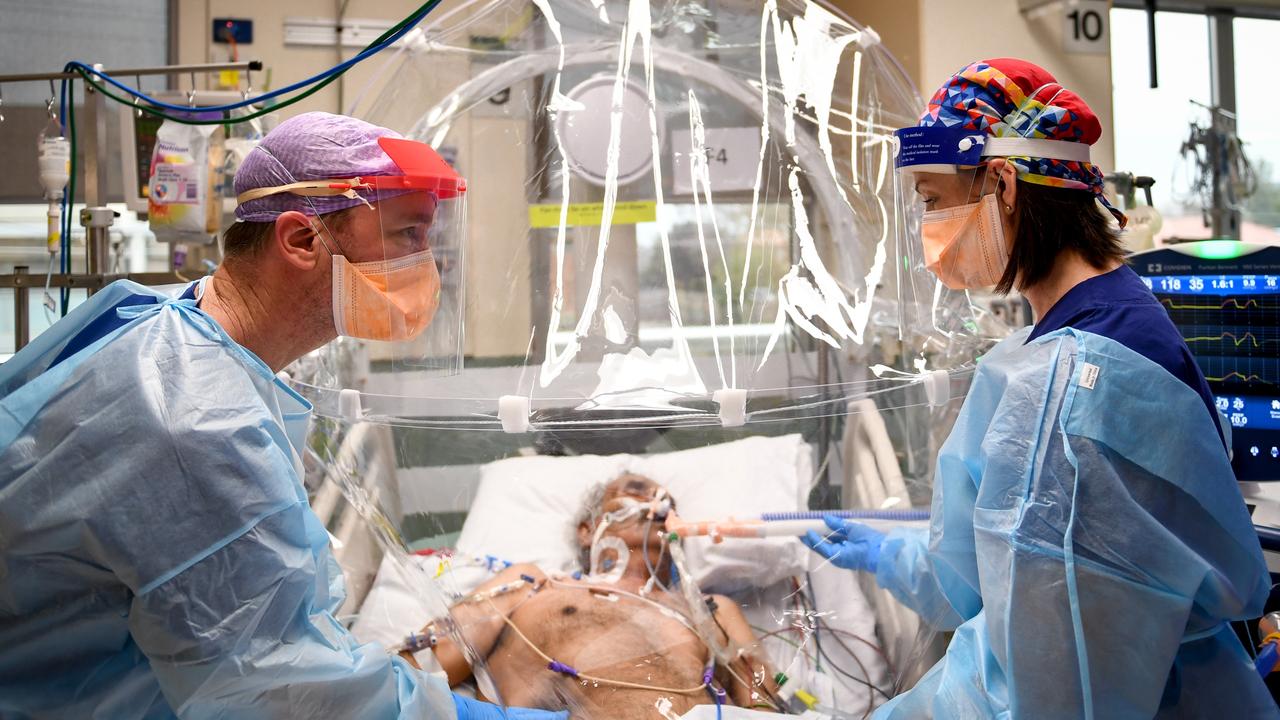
<point x="1119" y="306"/>
<point x="158" y="556"/>
<point x="1088" y="545"/>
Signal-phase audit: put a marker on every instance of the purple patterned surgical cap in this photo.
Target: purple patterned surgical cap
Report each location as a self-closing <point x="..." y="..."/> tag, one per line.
<point x="311" y="146"/>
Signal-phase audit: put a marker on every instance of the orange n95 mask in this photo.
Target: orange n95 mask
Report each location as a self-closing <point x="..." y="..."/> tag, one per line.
<point x="965" y="246"/>
<point x="387" y="299"/>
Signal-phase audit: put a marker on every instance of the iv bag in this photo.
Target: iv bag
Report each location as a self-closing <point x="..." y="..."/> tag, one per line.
<point x="183" y="202"/>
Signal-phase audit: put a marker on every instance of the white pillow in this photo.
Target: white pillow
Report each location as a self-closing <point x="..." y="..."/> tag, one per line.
<point x="524" y="507"/>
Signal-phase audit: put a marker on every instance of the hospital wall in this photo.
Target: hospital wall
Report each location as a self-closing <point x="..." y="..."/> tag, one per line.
<point x="287" y="63"/>
<point x="931" y="38"/>
<point x="934" y="38"/>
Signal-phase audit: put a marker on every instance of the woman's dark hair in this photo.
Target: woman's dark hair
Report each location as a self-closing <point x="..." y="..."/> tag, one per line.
<point x="1051" y="220"/>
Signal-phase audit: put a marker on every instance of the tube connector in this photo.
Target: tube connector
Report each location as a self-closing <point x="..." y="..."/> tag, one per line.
<point x="868" y="38"/>
<point x="937" y="387"/>
<point x="733" y="406"/>
<point x="349" y="404"/>
<point x="513" y="411"/>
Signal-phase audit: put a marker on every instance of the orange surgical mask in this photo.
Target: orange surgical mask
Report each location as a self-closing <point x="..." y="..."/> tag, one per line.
<point x="385" y="300"/>
<point x="965" y="246"/>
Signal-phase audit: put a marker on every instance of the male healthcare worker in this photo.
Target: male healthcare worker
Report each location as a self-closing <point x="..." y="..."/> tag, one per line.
<point x="1088" y="542"/>
<point x="158" y="557"/>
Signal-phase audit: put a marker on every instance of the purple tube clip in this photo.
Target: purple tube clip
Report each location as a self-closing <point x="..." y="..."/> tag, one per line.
<point x="561" y="668"/>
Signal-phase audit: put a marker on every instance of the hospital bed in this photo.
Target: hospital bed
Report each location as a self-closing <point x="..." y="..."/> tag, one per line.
<point x="833" y="633"/>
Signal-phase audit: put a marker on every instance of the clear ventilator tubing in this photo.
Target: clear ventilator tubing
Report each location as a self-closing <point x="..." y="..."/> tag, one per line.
<point x="703" y="622"/>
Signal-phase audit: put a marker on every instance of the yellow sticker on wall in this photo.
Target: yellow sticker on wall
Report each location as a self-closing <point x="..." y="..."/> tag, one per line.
<point x="580" y="214"/>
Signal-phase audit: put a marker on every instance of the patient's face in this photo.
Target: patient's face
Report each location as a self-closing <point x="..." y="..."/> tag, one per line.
<point x="619" y="495"/>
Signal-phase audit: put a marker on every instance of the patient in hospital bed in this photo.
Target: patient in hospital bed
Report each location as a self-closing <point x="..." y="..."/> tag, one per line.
<point x="617" y="639"/>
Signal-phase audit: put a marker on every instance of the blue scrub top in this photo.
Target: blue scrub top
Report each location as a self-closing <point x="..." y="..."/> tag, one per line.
<point x="1119" y="306"/>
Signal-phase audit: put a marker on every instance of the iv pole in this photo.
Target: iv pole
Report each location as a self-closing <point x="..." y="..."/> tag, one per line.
<point x="95" y="217"/>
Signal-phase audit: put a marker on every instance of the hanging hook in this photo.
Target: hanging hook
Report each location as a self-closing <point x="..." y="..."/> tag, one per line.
<point x="137" y="104"/>
<point x="191" y="96"/>
<point x="53" y="98"/>
<point x="248" y="84"/>
<point x="1" y="103"/>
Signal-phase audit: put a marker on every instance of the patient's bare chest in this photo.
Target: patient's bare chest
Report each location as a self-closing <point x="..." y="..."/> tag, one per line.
<point x="602" y="635"/>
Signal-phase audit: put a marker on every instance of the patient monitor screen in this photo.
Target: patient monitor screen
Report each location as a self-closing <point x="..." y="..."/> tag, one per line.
<point x="1228" y="311"/>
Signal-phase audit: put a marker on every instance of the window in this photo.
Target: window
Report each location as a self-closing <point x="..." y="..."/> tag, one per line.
<point x="1150" y="125"/>
<point x="1259" y="123"/>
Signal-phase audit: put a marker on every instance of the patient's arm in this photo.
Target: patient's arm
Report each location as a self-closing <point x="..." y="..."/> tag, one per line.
<point x="481" y="620"/>
<point x="751" y="683"/>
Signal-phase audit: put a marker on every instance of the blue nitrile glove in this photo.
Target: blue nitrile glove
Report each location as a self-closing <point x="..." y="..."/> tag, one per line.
<point x="469" y="709"/>
<point x="850" y="544"/>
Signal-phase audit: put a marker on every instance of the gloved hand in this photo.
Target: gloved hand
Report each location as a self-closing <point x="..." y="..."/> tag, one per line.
<point x="469" y="709"/>
<point x="850" y="544"/>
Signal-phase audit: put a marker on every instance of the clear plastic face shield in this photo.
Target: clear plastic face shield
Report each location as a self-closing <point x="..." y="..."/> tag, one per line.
<point x="962" y="232"/>
<point x="396" y="257"/>
<point x="964" y="236"/>
<point x="406" y="295"/>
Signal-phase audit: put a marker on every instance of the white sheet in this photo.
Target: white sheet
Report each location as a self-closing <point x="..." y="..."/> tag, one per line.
<point x="523" y="512"/>
<point x="841" y="604"/>
<point x="524" y="509"/>
<point x="394" y="608"/>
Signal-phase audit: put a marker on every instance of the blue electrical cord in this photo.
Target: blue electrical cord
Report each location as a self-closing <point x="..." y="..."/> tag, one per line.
<point x="75" y="65"/>
<point x="410" y="23"/>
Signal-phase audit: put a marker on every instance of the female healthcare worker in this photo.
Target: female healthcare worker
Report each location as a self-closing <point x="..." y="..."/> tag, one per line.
<point x="158" y="556"/>
<point x="1088" y="542"/>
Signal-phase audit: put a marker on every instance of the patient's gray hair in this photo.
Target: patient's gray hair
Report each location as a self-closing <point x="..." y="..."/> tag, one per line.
<point x="588" y="511"/>
<point x="592" y="506"/>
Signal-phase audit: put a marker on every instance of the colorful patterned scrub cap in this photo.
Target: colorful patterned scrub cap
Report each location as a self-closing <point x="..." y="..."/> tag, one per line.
<point x="1011" y="98"/>
<point x="312" y="146"/>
